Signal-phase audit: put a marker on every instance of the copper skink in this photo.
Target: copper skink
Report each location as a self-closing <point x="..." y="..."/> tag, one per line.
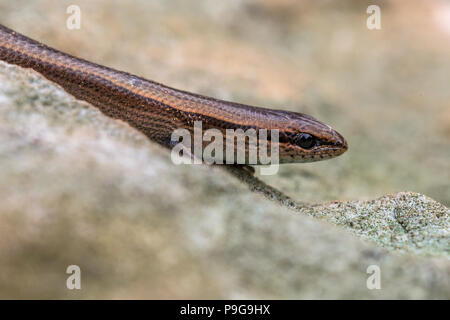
<point x="157" y="110"/>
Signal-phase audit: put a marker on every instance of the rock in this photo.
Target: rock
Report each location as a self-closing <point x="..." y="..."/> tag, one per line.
<point x="81" y="189"/>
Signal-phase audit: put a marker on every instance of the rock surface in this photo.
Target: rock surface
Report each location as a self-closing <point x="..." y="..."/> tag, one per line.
<point x="385" y="90"/>
<point x="78" y="188"/>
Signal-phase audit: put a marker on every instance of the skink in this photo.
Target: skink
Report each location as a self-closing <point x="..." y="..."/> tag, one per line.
<point x="157" y="110"/>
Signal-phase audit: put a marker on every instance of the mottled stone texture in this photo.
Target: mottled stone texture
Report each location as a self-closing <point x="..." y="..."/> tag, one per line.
<point x="79" y="188"/>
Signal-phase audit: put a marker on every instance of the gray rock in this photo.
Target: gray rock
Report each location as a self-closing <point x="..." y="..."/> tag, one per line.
<point x="80" y="188"/>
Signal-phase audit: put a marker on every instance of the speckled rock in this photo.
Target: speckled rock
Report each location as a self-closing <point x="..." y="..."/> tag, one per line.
<point x="402" y="222"/>
<point x="405" y="222"/>
<point x="80" y="188"/>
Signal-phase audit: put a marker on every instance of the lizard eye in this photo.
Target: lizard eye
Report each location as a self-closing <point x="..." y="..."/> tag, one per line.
<point x="306" y="141"/>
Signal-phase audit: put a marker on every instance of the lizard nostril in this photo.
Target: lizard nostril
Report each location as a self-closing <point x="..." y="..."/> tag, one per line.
<point x="340" y="140"/>
<point x="343" y="143"/>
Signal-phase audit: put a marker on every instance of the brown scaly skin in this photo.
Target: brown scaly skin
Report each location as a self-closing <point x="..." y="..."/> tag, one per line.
<point x="157" y="110"/>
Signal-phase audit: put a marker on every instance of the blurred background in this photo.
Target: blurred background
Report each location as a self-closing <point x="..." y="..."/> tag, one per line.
<point x="387" y="92"/>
